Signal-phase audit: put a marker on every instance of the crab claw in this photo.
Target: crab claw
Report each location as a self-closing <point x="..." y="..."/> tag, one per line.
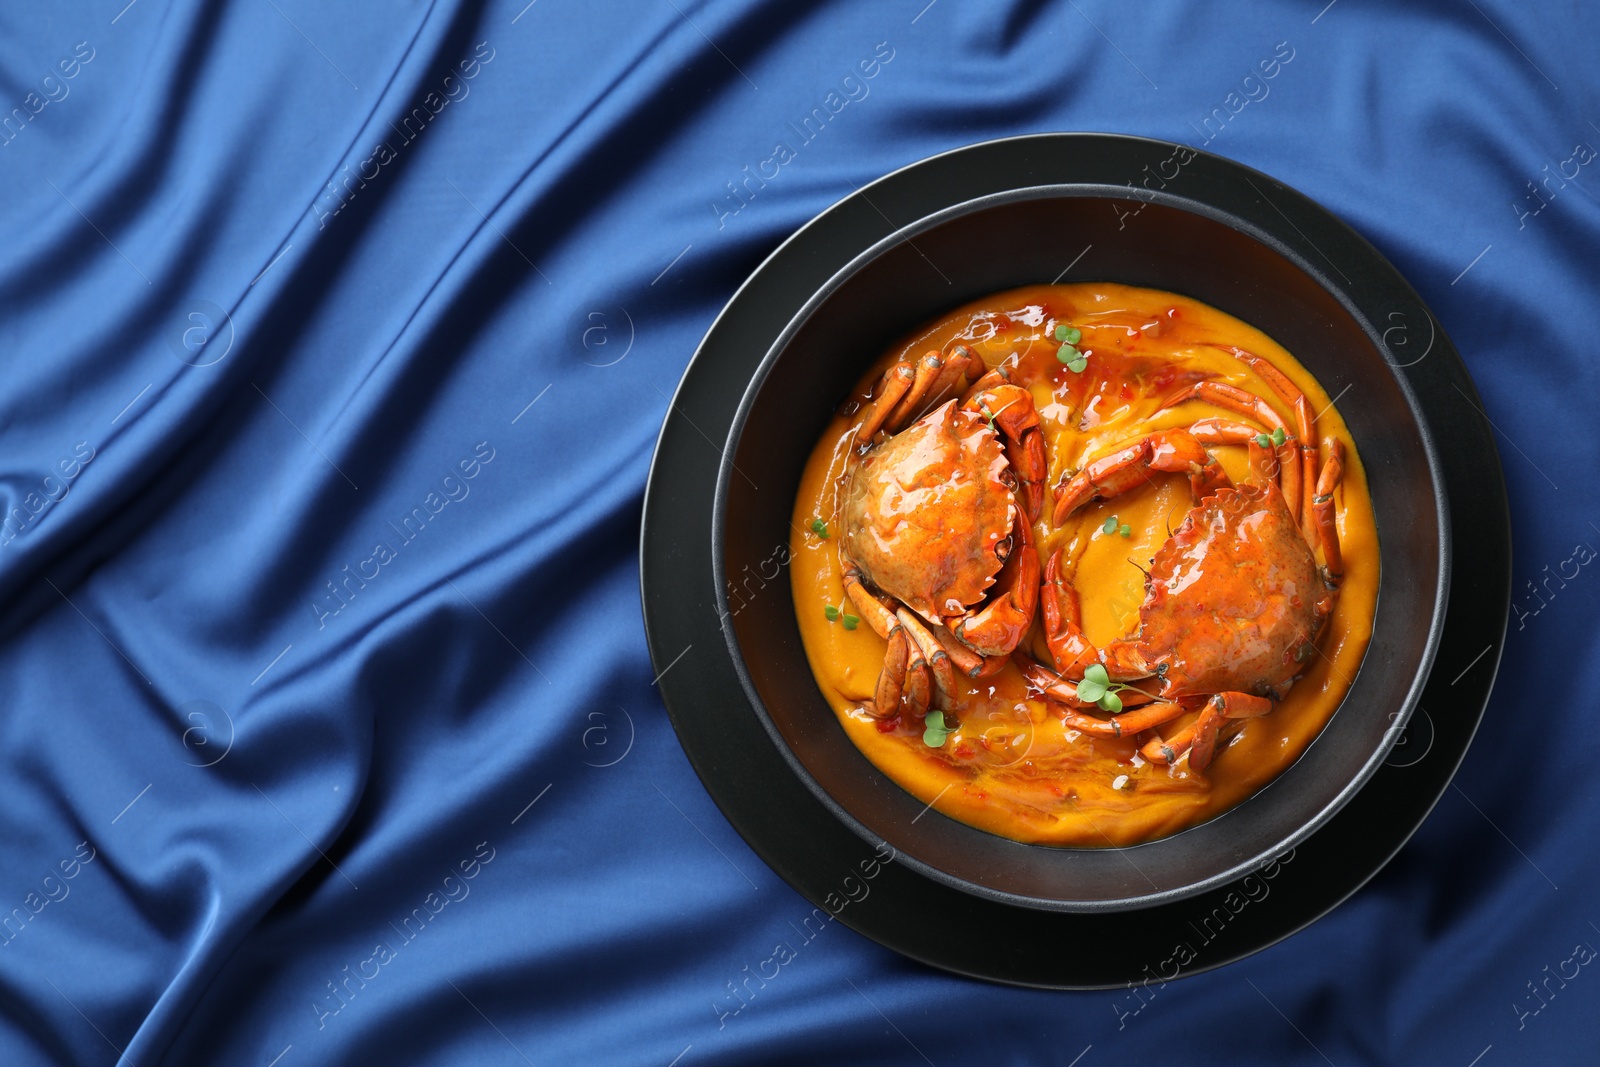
<point x="1063" y="626"/>
<point x="1175" y="451"/>
<point x="1010" y="409"/>
<point x="997" y="628"/>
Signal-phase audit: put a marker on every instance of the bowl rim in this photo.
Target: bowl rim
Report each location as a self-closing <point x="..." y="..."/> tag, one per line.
<point x="1191" y="205"/>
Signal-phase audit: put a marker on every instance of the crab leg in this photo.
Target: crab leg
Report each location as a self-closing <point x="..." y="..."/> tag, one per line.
<point x="911" y="645"/>
<point x="1246" y="403"/>
<point x="1176" y="451"/>
<point x="914" y="694"/>
<point x="976" y="367"/>
<point x="1308" y="478"/>
<point x="1126" y="724"/>
<point x="1169" y="749"/>
<point x="1322" y="507"/>
<point x="1215" y="431"/>
<point x="954" y="375"/>
<point x="1208" y="478"/>
<point x="891" y="681"/>
<point x="928" y="370"/>
<point x="1010" y="408"/>
<point x="1055" y="686"/>
<point x="988" y="380"/>
<point x="967" y="661"/>
<point x="1049" y="683"/>
<point x="894" y="681"/>
<point x="1305" y="427"/>
<point x="896" y="380"/>
<point x="880" y="618"/>
<point x="1221" y="707"/>
<point x="1264" y="462"/>
<point x="997" y="628"/>
<point x="1239" y="401"/>
<point x="930" y="650"/>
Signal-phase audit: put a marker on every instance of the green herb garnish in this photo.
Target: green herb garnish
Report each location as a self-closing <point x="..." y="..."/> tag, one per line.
<point x="1068" y="334"/>
<point x="819" y="528"/>
<point x="935" y="729"/>
<point x="851" y="622"/>
<point x="1113" y="526"/>
<point x="1094" y="684"/>
<point x="1097" y="688"/>
<point x="1273" y="440"/>
<point x="1074" y="359"/>
<point x="831" y="612"/>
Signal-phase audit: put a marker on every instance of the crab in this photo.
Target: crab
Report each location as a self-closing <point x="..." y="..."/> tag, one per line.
<point x="936" y="549"/>
<point x="1234" y="600"/>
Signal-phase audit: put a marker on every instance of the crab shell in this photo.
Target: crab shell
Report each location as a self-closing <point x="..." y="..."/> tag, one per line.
<point x="1233" y="600"/>
<point x="928" y="513"/>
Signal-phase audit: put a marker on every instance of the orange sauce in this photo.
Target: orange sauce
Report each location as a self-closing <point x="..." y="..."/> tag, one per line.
<point x="1012" y="767"/>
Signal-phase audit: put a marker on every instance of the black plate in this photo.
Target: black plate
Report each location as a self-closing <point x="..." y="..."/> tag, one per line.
<point x="795" y="827"/>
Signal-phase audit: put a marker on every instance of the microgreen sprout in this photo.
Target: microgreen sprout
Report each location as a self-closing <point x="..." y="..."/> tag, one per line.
<point x="1097" y="688"/>
<point x="1068" y="353"/>
<point x="992" y="415"/>
<point x="1095" y="683"/>
<point x="1114" y="526"/>
<point x="840" y="615"/>
<point x="935" y="729"/>
<point x="819" y="528"/>
<point x="1272" y="440"/>
<point x="1074" y="359"/>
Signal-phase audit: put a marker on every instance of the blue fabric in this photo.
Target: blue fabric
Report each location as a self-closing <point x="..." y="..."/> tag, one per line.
<point x="336" y="339"/>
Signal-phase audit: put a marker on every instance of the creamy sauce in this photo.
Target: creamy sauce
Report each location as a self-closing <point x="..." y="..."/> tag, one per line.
<point x="1013" y="767"/>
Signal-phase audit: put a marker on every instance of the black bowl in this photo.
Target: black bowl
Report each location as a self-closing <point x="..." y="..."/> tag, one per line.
<point x="1199" y="237"/>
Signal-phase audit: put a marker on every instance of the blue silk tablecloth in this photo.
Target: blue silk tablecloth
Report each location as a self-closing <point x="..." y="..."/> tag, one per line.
<point x="336" y="338"/>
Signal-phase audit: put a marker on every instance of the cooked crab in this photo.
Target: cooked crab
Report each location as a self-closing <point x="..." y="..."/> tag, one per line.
<point x="936" y="549"/>
<point x="1234" y="600"/>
